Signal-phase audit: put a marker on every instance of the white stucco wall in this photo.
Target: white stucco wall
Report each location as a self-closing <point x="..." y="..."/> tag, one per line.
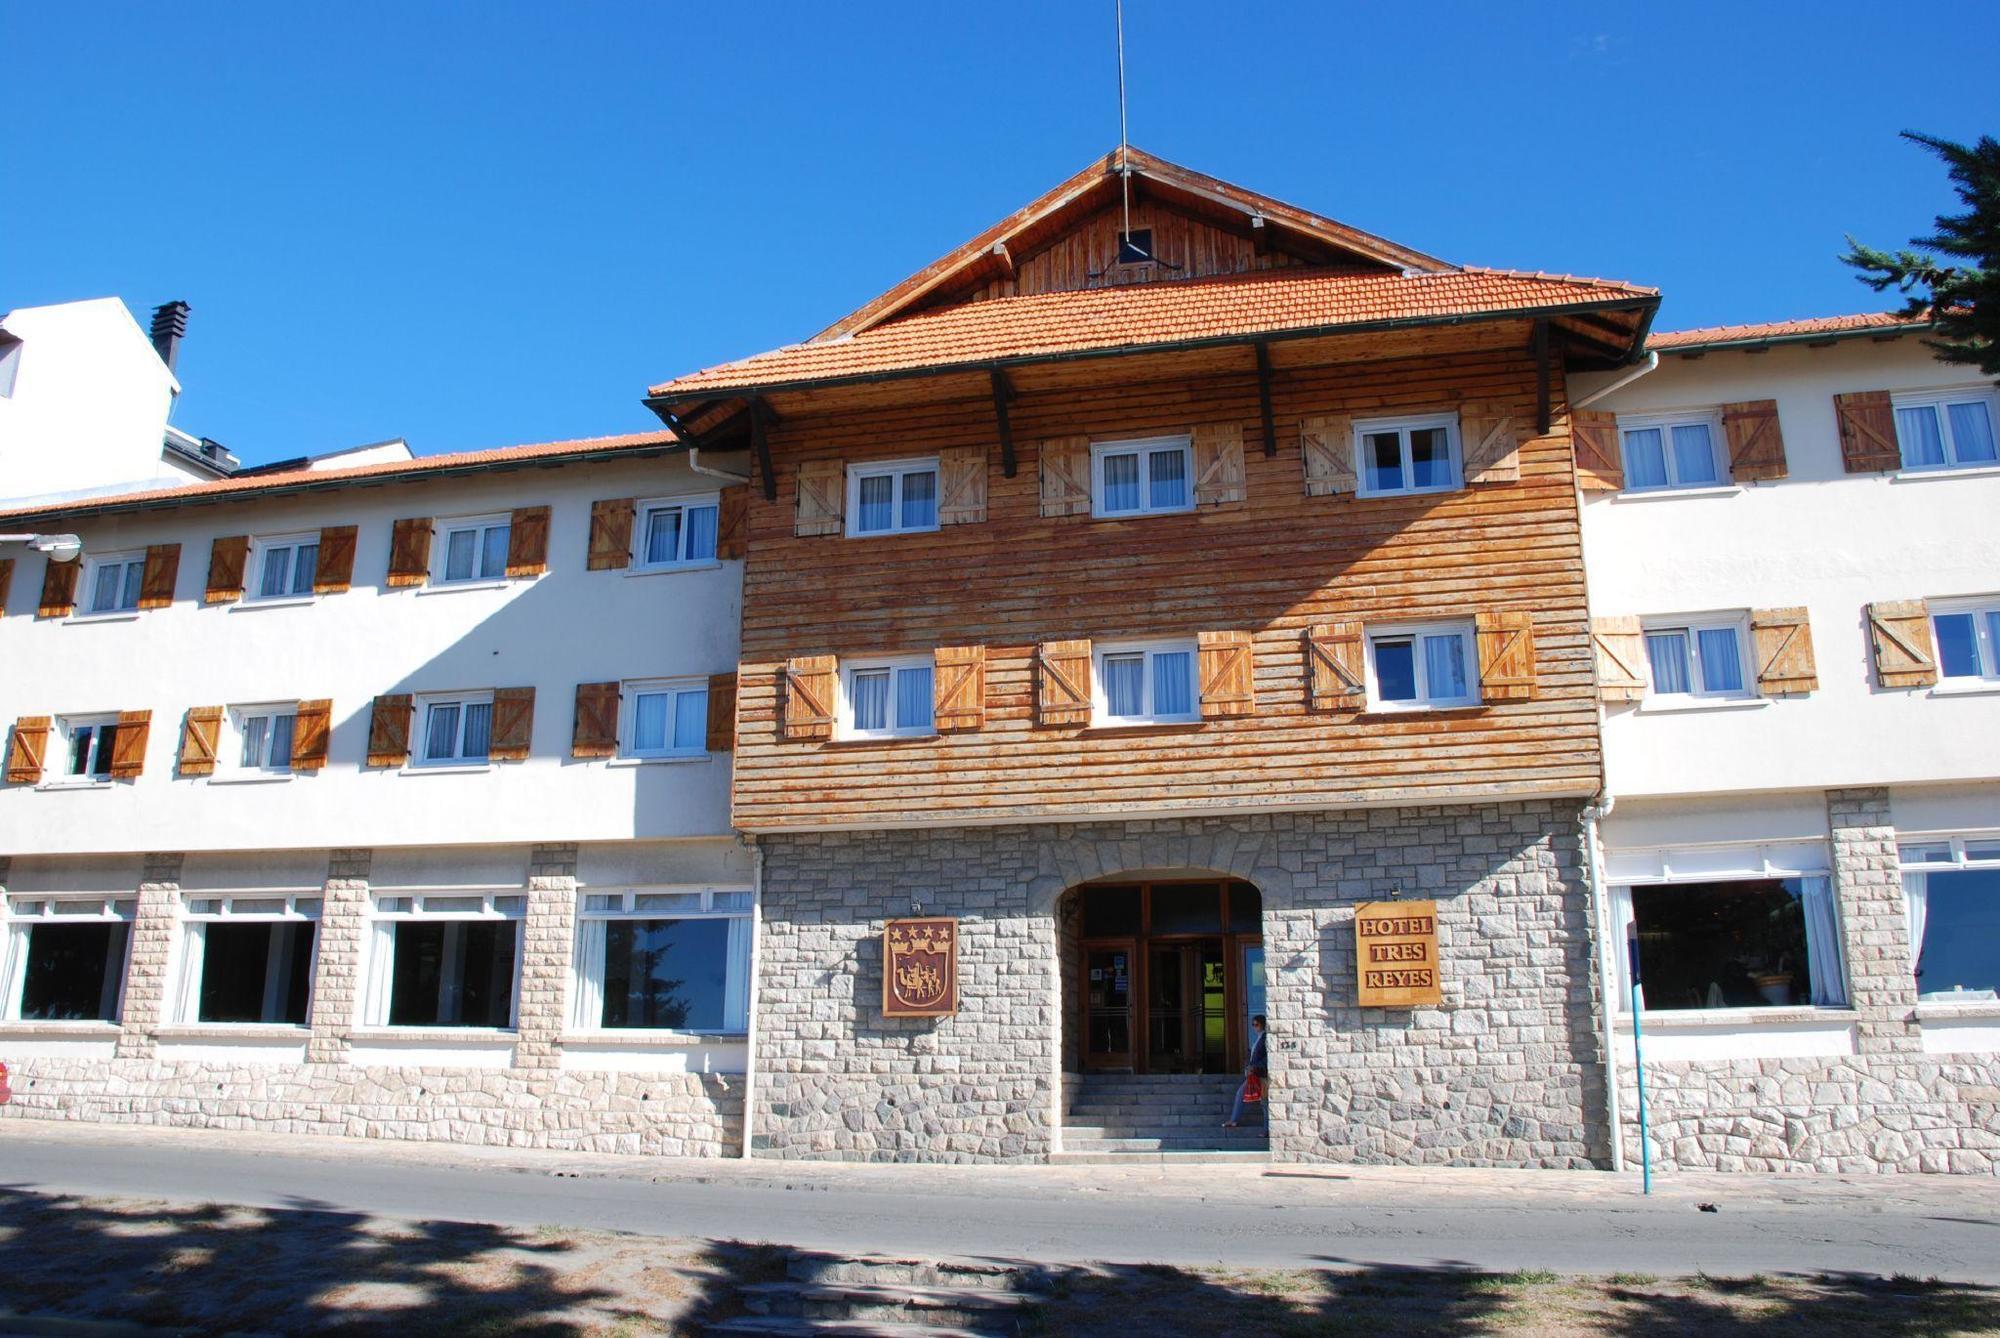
<point x="550" y="632"/>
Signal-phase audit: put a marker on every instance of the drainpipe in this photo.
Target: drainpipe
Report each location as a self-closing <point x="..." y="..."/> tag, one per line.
<point x="694" y="463"/>
<point x="1607" y="969"/>
<point x="1651" y="363"/>
<point x="750" y="1021"/>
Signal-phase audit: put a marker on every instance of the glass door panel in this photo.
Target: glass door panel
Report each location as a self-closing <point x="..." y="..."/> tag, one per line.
<point x="1108" y="1008"/>
<point x="1214" y="1031"/>
<point x="1167" y="990"/>
<point x="1253" y="992"/>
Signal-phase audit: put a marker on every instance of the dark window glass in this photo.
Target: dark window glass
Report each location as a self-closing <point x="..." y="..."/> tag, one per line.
<point x="1191" y="908"/>
<point x="453" y="973"/>
<point x="1246" y="909"/>
<point x="666" y="973"/>
<point x="73" y="973"/>
<point x="1110" y="912"/>
<point x="256" y="972"/>
<point x="1738" y="944"/>
<point x="1961" y="948"/>
<point x="1135" y="247"/>
<point x="1396" y="670"/>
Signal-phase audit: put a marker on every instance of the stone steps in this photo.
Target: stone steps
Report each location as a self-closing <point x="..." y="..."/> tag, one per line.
<point x="890" y="1298"/>
<point x="1164" y="1157"/>
<point x="1155" y="1118"/>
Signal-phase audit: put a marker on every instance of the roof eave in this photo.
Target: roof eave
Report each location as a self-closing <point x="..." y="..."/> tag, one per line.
<point x="1878" y="332"/>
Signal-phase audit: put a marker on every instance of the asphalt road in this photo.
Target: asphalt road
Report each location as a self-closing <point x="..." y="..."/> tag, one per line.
<point x="1281" y="1216"/>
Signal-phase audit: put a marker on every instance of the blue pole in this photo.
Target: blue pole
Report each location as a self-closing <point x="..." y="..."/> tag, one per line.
<point x="1639" y="1063"/>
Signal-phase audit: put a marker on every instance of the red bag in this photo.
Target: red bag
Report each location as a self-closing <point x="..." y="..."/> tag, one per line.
<point x="1253" y="1088"/>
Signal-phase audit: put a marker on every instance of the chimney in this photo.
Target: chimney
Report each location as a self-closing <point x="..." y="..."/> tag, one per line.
<point x="170" y="322"/>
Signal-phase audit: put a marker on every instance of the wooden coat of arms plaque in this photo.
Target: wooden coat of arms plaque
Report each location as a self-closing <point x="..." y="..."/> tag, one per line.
<point x="920" y="968"/>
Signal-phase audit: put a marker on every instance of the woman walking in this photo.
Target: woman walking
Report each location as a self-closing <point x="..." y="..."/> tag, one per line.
<point x="1256" y="1076"/>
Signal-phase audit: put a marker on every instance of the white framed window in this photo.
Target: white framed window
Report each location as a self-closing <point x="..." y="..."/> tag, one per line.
<point x="260" y="738"/>
<point x="1946" y="429"/>
<point x="247" y="957"/>
<point x="887" y="698"/>
<point x="1151" y="476"/>
<point x="1951" y="897"/>
<point x="1422" y="666"/>
<point x="1732" y="940"/>
<point x="1699" y="657"/>
<point x="1145" y="682"/>
<point x="471" y="548"/>
<point x="664" y="717"/>
<point x="892" y="497"/>
<point x="1395" y="457"/>
<point x="663" y="959"/>
<point x="1672" y="450"/>
<point x="457" y="729"/>
<point x="284" y="567"/>
<point x="444" y="959"/>
<point x="675" y="532"/>
<point x="63" y="959"/>
<point x="112" y="582"/>
<point x="1968" y="638"/>
<point x="88" y="742"/>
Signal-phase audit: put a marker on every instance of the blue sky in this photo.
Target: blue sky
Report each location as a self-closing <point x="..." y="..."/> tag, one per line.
<point x="471" y="225"/>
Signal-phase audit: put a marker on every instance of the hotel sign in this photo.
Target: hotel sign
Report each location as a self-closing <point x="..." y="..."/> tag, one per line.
<point x="920" y="968"/>
<point x="1396" y="953"/>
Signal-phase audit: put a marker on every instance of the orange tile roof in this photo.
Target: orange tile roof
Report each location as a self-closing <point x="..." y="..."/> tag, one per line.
<point x="228" y="489"/>
<point x="1137" y="316"/>
<point x="1801" y="329"/>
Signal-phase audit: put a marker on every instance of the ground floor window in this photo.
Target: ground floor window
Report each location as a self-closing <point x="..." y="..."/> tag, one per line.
<point x="664" y="960"/>
<point x="248" y="959"/>
<point x="445" y="960"/>
<point x="1734" y="943"/>
<point x="63" y="959"/>
<point x="1951" y="893"/>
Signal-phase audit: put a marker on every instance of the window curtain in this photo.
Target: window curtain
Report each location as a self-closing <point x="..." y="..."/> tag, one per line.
<point x="1694" y="454"/>
<point x="736" y="994"/>
<point x="194" y="950"/>
<point x="870" y="694"/>
<point x="1917" y="428"/>
<point x="1826" y="954"/>
<point x="1916" y="906"/>
<point x="588" y="1011"/>
<point x="1645" y="458"/>
<point x="1621" y="929"/>
<point x="663" y="535"/>
<point x="919" y="500"/>
<point x="1444" y="667"/>
<point x="1971" y="432"/>
<point x="913" y="697"/>
<point x="1666" y="653"/>
<point x="381" y="970"/>
<point x="1173" y="683"/>
<point x="701" y="533"/>
<point x="1124" y="684"/>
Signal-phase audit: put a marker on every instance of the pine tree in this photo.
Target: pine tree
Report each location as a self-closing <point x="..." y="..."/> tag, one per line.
<point x="1961" y="299"/>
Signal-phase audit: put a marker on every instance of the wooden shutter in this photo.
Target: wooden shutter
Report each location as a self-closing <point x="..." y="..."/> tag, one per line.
<point x="1228" y="683"/>
<point x="960" y="688"/>
<point x="1218" y="464"/>
<point x="333" y="570"/>
<point x="1065" y="471"/>
<point x="1867" y="431"/>
<point x="1326" y="445"/>
<point x="1506" y="656"/>
<point x="596" y="731"/>
<point x="1899" y="635"/>
<point x="1782" y="639"/>
<point x="227" y="560"/>
<point x="128" y="745"/>
<point x="809" y="697"/>
<point x="59" y="588"/>
<point x="389" y="730"/>
<point x="163" y="567"/>
<point x="1756" y="446"/>
<point x="201" y="730"/>
<point x="1062" y="683"/>
<point x="961" y="485"/>
<point x="722" y="713"/>
<point x="6" y="582"/>
<point x="1593" y="436"/>
<point x="513" y="724"/>
<point x="822" y="502"/>
<point x="1620" y="646"/>
<point x="610" y="534"/>
<point x="1336" y="677"/>
<point x="1490" y="442"/>
<point x="311" y="734"/>
<point x="528" y="541"/>
<point x="27" y="749"/>
<point x="410" y="552"/>
<point x="732" y="527"/>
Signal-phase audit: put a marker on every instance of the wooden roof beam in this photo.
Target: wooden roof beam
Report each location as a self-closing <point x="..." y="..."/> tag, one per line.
<point x="1264" y="399"/>
<point x="1544" y="409"/>
<point x="1002" y="392"/>
<point x="760" y="443"/>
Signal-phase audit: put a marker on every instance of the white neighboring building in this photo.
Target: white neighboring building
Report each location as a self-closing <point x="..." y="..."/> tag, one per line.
<point x="84" y="399"/>
<point x="383" y="796"/>
<point x="1793" y="560"/>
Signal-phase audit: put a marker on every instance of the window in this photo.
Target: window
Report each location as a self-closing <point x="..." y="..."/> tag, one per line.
<point x="664" y="959"/>
<point x="1142" y="478"/>
<point x="1945" y="429"/>
<point x="1734" y="943"/>
<point x="445" y="959"/>
<point x="1400" y="456"/>
<point x="1425" y="666"/>
<point x="457" y="729"/>
<point x="113" y="582"/>
<point x="1146" y="684"/>
<point x="63" y="959"/>
<point x="1135" y="247"/>
<point x="88" y="744"/>
<point x="1697" y="658"/>
<point x="676" y="533"/>
<point x="892" y="497"/>
<point x="1968" y="637"/>
<point x="664" y="718"/>
<point x="472" y="550"/>
<point x="248" y="958"/>
<point x="1671" y="451"/>
<point x="882" y="699"/>
<point x="1951" y="895"/>
<point x="285" y="567"/>
<point x="263" y="737"/>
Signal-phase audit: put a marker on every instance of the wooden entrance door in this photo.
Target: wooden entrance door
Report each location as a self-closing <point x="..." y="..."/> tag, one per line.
<point x="1165" y="973"/>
